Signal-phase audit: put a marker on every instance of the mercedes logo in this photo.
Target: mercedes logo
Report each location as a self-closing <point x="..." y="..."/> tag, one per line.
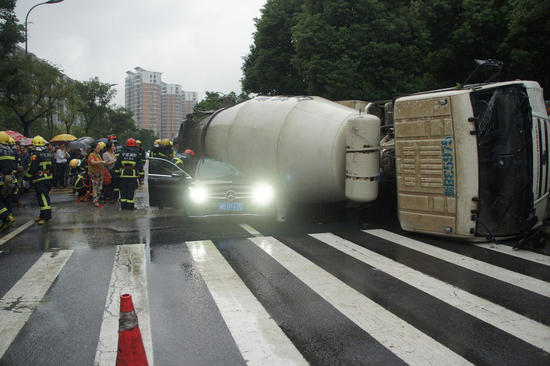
<point x="230" y="195"/>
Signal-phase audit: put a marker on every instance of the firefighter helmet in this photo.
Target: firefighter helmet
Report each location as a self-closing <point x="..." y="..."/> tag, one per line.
<point x="4" y="138"/>
<point x="112" y="138"/>
<point x="165" y="142"/>
<point x="130" y="142"/>
<point x="189" y="152"/>
<point x="38" y="141"/>
<point x="74" y="163"/>
<point x="138" y="142"/>
<point x="11" y="141"/>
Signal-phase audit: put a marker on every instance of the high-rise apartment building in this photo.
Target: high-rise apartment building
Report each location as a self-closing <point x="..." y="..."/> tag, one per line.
<point x="190" y="99"/>
<point x="172" y="110"/>
<point x="156" y="105"/>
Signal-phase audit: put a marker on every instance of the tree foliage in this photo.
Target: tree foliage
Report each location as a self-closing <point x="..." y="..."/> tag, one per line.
<point x="96" y="97"/>
<point x="30" y="89"/>
<point x="268" y="68"/>
<point x="374" y="49"/>
<point x="216" y="100"/>
<point x="11" y="32"/>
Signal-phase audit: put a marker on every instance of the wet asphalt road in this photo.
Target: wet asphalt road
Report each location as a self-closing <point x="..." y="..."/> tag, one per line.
<point x="189" y="328"/>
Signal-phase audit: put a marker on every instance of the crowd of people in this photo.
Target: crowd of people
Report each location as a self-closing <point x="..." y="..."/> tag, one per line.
<point x="105" y="172"/>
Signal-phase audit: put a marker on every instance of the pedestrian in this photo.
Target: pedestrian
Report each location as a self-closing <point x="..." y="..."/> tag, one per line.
<point x="96" y="172"/>
<point x="130" y="166"/>
<point x="110" y="159"/>
<point x="40" y="175"/>
<point x="61" y="156"/>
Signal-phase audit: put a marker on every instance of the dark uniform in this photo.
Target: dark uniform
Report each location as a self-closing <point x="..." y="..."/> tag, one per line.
<point x="40" y="175"/>
<point x="154" y="151"/>
<point x="115" y="180"/>
<point x="8" y="164"/>
<point x="166" y="152"/>
<point x="130" y="168"/>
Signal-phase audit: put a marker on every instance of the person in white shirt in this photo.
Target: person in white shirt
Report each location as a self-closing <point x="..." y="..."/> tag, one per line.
<point x="61" y="156"/>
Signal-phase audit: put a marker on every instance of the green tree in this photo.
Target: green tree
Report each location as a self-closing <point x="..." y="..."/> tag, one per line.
<point x="30" y="89"/>
<point x="527" y="42"/>
<point x="268" y="68"/>
<point x="121" y="122"/>
<point x="68" y="111"/>
<point x="11" y="32"/>
<point x="459" y="32"/>
<point x="216" y="100"/>
<point x="146" y="137"/>
<point x="96" y="97"/>
<point x="365" y="49"/>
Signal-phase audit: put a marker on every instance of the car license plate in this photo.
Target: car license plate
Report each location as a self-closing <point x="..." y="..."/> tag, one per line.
<point x="231" y="206"/>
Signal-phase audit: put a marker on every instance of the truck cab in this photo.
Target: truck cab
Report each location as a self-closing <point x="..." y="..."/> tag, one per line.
<point x="472" y="162"/>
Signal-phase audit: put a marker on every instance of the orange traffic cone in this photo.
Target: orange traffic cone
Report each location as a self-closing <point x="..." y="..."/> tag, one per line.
<point x="130" y="345"/>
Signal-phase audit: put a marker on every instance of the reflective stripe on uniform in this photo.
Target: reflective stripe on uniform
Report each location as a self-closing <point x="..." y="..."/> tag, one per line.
<point x="45" y="207"/>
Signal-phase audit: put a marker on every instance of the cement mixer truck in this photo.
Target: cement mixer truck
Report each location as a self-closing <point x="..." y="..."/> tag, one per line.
<point x="469" y="162"/>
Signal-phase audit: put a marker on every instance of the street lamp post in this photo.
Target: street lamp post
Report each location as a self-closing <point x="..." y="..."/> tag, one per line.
<point x="27" y="17"/>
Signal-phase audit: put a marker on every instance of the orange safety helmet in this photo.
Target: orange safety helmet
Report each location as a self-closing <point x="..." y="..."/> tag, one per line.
<point x="130" y="142"/>
<point x="111" y="137"/>
<point x="190" y="152"/>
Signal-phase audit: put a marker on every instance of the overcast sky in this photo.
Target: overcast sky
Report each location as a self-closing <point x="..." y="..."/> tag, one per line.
<point x="198" y="44"/>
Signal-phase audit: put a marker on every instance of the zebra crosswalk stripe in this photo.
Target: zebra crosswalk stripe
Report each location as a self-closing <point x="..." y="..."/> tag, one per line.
<point x="128" y="276"/>
<point x="258" y="337"/>
<point x="528" y="283"/>
<point x="405" y="341"/>
<point x="515" y="324"/>
<point x="20" y="301"/>
<point x="523" y="254"/>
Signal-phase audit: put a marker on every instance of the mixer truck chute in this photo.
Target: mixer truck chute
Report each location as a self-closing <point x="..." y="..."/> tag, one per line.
<point x="470" y="162"/>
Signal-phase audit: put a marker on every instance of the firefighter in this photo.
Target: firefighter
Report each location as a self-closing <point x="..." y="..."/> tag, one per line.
<point x="130" y="166"/>
<point x="7" y="165"/>
<point x="81" y="184"/>
<point x="166" y="151"/>
<point x="141" y="151"/>
<point x="40" y="175"/>
<point x="115" y="178"/>
<point x="155" y="150"/>
<point x="189" y="159"/>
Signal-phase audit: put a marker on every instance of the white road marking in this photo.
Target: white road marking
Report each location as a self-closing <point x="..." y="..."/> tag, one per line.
<point x="517" y="279"/>
<point x="128" y="277"/>
<point x="16" y="232"/>
<point x="523" y="254"/>
<point x="399" y="337"/>
<point x="250" y="229"/>
<point x="260" y="340"/>
<point x="515" y="324"/>
<point x="19" y="302"/>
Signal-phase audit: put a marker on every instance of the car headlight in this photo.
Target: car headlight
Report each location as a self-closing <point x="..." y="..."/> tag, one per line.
<point x="263" y="193"/>
<point x="198" y="194"/>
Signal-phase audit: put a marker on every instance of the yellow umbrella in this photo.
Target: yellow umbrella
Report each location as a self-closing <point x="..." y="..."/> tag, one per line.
<point x="64" y="137"/>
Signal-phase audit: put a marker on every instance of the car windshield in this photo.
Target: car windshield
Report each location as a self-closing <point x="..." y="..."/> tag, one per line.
<point x="213" y="169"/>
